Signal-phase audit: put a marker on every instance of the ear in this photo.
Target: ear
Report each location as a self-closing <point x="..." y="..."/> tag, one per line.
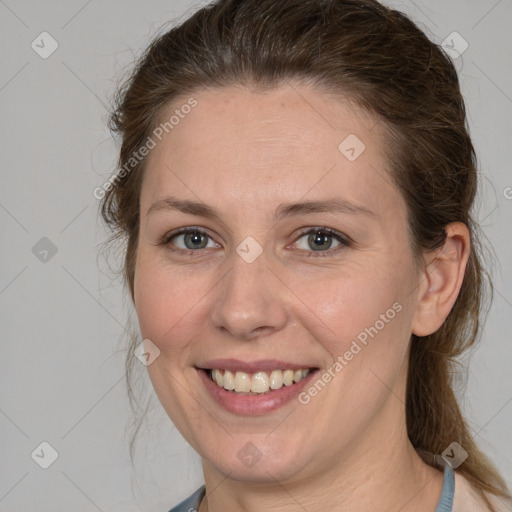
<point x="441" y="279"/>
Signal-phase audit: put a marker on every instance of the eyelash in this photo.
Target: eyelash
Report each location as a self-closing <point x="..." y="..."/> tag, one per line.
<point x="342" y="239"/>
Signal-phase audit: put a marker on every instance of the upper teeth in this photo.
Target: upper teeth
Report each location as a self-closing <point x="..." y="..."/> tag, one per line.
<point x="260" y="382"/>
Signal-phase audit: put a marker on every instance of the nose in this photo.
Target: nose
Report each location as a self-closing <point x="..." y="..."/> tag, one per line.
<point x="251" y="300"/>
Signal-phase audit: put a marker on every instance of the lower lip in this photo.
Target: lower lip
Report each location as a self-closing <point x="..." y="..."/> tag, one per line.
<point x="253" y="405"/>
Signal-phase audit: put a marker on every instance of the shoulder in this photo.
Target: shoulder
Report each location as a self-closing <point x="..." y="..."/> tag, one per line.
<point x="190" y="504"/>
<point x="466" y="498"/>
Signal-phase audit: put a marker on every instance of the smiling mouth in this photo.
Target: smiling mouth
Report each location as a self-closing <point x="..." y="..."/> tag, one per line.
<point x="257" y="383"/>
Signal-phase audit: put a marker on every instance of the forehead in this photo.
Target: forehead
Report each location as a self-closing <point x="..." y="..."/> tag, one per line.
<point x="289" y="115"/>
<point x="269" y="146"/>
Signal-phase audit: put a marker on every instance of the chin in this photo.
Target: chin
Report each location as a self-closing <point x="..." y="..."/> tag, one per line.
<point x="259" y="461"/>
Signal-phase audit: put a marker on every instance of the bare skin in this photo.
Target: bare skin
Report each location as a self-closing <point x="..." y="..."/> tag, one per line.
<point x="244" y="153"/>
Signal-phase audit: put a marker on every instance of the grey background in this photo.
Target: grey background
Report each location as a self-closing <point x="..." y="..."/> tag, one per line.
<point x="61" y="368"/>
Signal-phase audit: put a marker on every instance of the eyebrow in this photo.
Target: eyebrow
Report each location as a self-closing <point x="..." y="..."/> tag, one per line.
<point x="283" y="210"/>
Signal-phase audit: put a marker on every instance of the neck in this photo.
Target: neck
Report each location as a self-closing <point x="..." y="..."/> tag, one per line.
<point x="386" y="479"/>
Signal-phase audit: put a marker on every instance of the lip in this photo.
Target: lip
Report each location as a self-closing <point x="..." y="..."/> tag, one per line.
<point x="253" y="405"/>
<point x="234" y="365"/>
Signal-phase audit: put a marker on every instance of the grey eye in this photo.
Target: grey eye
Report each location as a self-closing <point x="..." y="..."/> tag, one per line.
<point x="318" y="240"/>
<point x="192" y="240"/>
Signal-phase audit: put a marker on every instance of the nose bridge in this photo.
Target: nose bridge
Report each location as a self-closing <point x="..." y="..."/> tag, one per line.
<point x="250" y="301"/>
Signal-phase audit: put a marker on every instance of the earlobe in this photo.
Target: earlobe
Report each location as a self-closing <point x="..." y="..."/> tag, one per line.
<point x="441" y="280"/>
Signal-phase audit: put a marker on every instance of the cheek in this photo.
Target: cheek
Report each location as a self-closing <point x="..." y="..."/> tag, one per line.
<point x="364" y="327"/>
<point x="164" y="302"/>
<point x="363" y="321"/>
<point x="351" y="300"/>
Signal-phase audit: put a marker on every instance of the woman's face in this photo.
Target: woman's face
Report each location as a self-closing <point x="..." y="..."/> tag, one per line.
<point x="265" y="284"/>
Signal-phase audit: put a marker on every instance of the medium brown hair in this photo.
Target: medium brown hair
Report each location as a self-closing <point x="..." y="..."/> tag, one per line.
<point x="378" y="58"/>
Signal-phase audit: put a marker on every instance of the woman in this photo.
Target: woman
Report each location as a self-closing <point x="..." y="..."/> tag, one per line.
<point x="295" y="191"/>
